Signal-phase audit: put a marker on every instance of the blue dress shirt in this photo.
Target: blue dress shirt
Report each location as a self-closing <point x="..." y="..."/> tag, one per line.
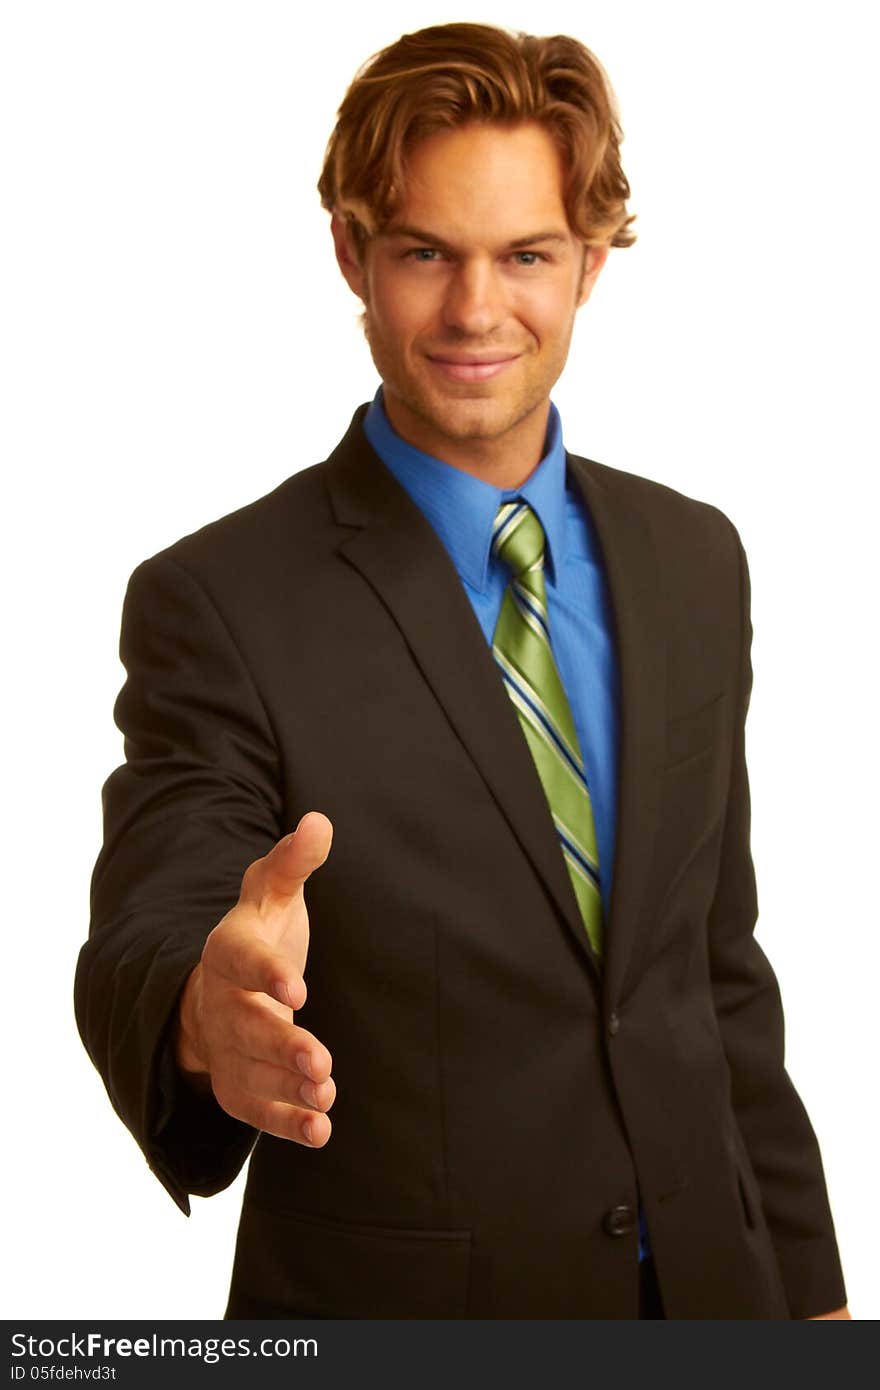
<point x="462" y="510"/>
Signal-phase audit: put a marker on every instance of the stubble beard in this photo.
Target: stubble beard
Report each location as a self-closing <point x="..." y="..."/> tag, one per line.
<point x="461" y="419"/>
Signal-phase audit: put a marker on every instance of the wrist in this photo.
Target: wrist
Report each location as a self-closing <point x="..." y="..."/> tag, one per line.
<point x="188" y="1047"/>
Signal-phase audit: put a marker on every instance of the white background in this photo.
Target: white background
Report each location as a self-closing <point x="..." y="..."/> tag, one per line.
<point x="176" y="340"/>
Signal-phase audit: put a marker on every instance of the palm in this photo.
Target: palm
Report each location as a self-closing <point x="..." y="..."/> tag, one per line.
<point x="264" y="1069"/>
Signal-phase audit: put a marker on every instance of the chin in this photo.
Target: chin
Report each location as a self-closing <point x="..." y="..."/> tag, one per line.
<point x="467" y="420"/>
<point x="474" y="417"/>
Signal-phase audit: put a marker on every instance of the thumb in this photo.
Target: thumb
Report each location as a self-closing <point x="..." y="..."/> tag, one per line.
<point x="288" y="864"/>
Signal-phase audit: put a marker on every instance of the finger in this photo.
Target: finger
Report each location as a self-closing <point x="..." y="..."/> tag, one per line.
<point x="312" y="1057"/>
<point x="281" y="873"/>
<point x="265" y="1082"/>
<point x="287" y="1122"/>
<point x="275" y="1117"/>
<point x="235" y="953"/>
<point x="318" y="1095"/>
<point x="254" y="1030"/>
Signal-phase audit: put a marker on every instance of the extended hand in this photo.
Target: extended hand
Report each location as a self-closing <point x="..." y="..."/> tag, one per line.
<point x="234" y="1021"/>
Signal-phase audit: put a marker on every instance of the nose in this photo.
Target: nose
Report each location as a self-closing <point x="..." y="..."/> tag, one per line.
<point x="475" y="298"/>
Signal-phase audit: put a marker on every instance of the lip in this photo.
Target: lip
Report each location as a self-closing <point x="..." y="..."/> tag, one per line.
<point x="472" y="368"/>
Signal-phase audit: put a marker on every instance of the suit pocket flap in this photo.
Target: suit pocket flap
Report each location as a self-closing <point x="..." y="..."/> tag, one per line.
<point x="692" y="733"/>
<point x="293" y="1264"/>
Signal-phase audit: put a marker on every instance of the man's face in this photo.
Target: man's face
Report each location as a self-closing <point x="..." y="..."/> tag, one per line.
<point x="470" y="293"/>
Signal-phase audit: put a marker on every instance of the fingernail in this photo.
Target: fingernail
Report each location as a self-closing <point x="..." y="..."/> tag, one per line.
<point x="307" y="1131"/>
<point x="304" y="1062"/>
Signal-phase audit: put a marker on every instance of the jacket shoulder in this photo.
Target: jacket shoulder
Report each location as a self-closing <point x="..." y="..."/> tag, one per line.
<point x="284" y="513"/>
<point x="282" y="527"/>
<point x="673" y="516"/>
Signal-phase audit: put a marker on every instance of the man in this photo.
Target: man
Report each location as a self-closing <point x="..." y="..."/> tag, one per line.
<point x="511" y="685"/>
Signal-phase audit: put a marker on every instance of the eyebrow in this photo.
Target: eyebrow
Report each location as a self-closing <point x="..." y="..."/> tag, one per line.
<point x="419" y="234"/>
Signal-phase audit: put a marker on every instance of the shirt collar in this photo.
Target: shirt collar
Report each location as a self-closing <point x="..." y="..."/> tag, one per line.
<point x="462" y="508"/>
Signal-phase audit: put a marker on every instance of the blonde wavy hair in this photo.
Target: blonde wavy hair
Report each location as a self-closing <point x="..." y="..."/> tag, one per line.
<point x="449" y="75"/>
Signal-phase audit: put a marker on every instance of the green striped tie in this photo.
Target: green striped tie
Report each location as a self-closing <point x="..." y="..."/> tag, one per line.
<point x="521" y="646"/>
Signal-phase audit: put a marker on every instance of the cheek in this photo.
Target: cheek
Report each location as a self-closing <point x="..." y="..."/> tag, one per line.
<point x="399" y="311"/>
<point x="547" y="313"/>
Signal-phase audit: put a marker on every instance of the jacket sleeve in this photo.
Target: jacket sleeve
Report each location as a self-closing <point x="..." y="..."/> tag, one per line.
<point x="196" y="800"/>
<point x="776" y="1132"/>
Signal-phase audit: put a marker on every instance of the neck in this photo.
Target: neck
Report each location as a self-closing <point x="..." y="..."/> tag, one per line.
<point x="505" y="460"/>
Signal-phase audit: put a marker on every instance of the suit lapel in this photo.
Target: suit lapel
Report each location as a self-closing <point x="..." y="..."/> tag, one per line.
<point x="398" y="553"/>
<point x="632" y="572"/>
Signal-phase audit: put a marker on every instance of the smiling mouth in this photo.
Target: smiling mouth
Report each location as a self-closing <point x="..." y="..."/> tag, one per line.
<point x="472" y="368"/>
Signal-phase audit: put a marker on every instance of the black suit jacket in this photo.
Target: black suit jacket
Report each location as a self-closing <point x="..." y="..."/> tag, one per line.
<point x="503" y="1102"/>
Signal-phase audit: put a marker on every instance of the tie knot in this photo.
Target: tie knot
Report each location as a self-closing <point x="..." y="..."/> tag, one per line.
<point x="518" y="537"/>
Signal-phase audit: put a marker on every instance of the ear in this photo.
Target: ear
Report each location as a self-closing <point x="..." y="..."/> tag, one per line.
<point x="346" y="255"/>
<point x="594" y="259"/>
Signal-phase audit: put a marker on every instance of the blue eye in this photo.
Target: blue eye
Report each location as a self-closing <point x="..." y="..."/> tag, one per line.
<point x="427" y="255"/>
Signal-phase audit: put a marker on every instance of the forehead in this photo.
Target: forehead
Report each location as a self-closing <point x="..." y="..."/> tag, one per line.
<point x="484" y="177"/>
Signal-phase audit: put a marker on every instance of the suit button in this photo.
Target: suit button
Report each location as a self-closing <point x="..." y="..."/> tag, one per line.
<point x="613" y="1023"/>
<point x="619" y="1221"/>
